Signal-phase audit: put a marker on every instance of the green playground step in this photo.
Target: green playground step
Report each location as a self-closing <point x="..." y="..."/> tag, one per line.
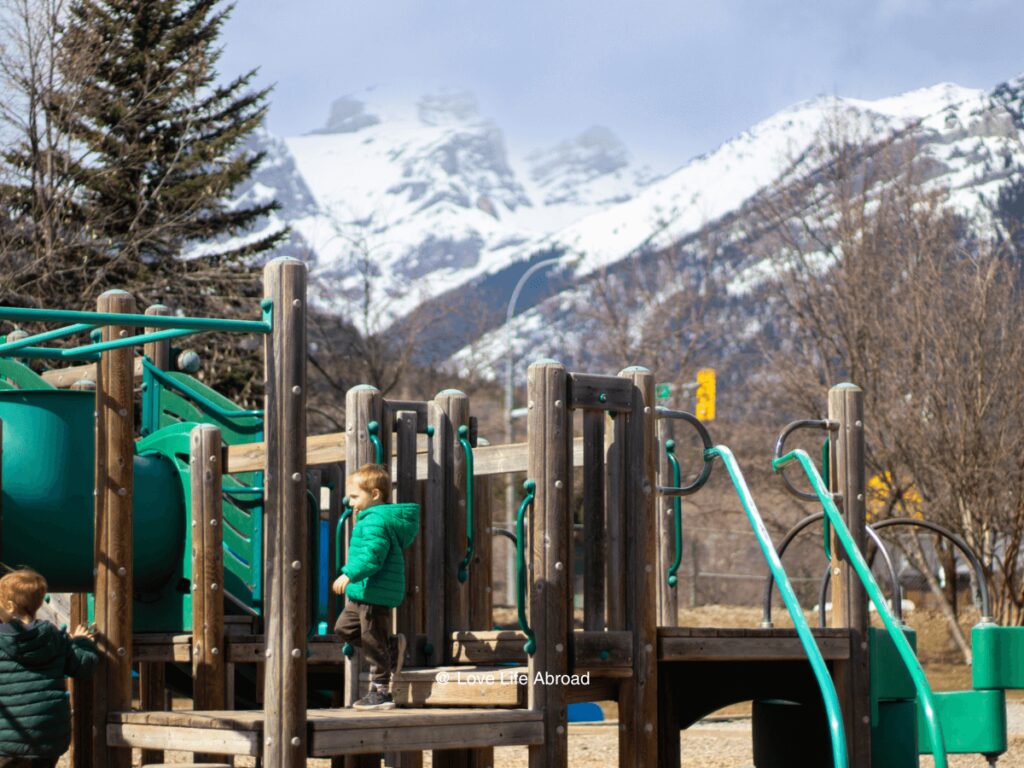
<point x="998" y="654"/>
<point x="973" y="722"/>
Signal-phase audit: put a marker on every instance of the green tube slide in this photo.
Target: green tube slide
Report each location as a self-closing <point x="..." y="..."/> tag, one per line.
<point x="46" y="508"/>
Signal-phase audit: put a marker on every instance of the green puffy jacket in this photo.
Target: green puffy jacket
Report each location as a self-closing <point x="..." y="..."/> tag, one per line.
<point x="376" y="565"/>
<point x="35" y="716"/>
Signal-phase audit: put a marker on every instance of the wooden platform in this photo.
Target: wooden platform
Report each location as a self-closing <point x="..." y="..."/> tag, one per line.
<point x="329" y="731"/>
<point x="716" y="644"/>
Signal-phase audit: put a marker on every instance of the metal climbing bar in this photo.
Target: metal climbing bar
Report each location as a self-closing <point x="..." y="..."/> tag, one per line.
<point x="863" y="571"/>
<point x="821" y="673"/>
<point x="135" y="320"/>
<point x="172" y="383"/>
<point x="531" y="642"/>
<point x="59" y="333"/>
<point x="677" y="513"/>
<point x="468" y="450"/>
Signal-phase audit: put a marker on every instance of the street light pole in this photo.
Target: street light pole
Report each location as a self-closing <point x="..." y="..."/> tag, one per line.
<point x="510" y="491"/>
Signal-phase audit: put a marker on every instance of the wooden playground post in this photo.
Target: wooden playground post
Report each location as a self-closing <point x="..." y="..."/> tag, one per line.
<point x="849" y="600"/>
<point x="158" y="352"/>
<point x="80" y="752"/>
<point x="115" y="450"/>
<point x="363" y="404"/>
<point x="405" y="492"/>
<point x="286" y="617"/>
<point x="549" y="430"/>
<point x="594" y="554"/>
<point x="481" y="594"/>
<point x="615" y="511"/>
<point x="668" y="597"/>
<point x="152" y="674"/>
<point x="208" y="657"/>
<point x="638" y="699"/>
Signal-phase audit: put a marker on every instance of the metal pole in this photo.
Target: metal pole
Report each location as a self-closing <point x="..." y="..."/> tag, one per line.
<point x="510" y="488"/>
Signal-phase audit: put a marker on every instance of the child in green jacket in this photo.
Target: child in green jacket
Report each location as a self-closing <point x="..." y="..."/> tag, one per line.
<point x="35" y="656"/>
<point x="373" y="578"/>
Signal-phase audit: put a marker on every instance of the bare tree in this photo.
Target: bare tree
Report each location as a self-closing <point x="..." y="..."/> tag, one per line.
<point x="880" y="282"/>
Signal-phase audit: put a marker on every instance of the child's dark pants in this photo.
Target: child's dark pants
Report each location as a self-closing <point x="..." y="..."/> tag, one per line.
<point x="369" y="627"/>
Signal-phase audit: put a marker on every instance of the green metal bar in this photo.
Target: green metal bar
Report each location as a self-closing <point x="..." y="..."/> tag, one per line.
<point x="45" y="353"/>
<point x="128" y="341"/>
<point x="468" y="449"/>
<point x="677" y="512"/>
<point x="378" y="447"/>
<point x="863" y="571"/>
<point x="202" y="400"/>
<point x="826" y="529"/>
<point x="828" y="690"/>
<point x="531" y="641"/>
<point x="135" y="321"/>
<point x="59" y="333"/>
<point x="339" y="531"/>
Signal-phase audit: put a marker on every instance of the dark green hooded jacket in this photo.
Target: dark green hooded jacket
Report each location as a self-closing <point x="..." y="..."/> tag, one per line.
<point x="35" y="716"/>
<point x="375" y="565"/>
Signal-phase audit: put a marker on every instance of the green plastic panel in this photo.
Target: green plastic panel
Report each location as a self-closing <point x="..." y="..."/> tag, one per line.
<point x="20" y="376"/>
<point x="973" y="722"/>
<point x="47" y="503"/>
<point x="172" y="411"/>
<point x="890" y="679"/>
<point x="998" y="657"/>
<point x="894" y="735"/>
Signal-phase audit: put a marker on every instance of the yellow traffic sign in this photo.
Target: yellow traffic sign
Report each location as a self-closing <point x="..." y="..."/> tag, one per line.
<point x="706" y="394"/>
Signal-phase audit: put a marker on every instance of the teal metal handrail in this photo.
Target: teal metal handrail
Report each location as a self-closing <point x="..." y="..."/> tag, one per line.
<point x="205" y="402"/>
<point x="677" y="512"/>
<point x="531" y="641"/>
<point x="373" y="428"/>
<point x="136" y="320"/>
<point x="825" y="684"/>
<point x="468" y="450"/>
<point x="339" y="531"/>
<point x="59" y="333"/>
<point x="863" y="571"/>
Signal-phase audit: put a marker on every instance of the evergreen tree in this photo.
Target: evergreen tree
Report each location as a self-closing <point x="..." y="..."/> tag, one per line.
<point x="163" y="147"/>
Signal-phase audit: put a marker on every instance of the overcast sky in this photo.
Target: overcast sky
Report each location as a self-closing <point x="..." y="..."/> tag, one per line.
<point x="673" y="78"/>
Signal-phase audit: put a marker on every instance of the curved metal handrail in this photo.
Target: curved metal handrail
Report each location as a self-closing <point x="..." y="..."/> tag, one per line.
<point x="863" y="571"/>
<point x="959" y="543"/>
<point x="810" y="646"/>
<point x="468" y="450"/>
<point x="373" y="428"/>
<point x="780" y="446"/>
<point x="897" y="592"/>
<point x="531" y="641"/>
<point x="677" y="513"/>
<point x="706" y="441"/>
<point x="201" y="399"/>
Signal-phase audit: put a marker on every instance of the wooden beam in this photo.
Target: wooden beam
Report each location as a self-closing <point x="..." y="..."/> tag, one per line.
<point x="287" y="549"/>
<point x="668" y="596"/>
<point x="159" y="352"/>
<point x="609" y="394"/>
<point x="81" y="695"/>
<point x="115" y="449"/>
<point x="64" y="378"/>
<point x="320" y="450"/>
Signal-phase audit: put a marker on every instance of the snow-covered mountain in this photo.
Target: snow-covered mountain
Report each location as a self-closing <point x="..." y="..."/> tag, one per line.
<point x="425" y="196"/>
<point x="424" y="193"/>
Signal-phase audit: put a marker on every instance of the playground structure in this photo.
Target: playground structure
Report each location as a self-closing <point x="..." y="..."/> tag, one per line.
<point x="227" y="526"/>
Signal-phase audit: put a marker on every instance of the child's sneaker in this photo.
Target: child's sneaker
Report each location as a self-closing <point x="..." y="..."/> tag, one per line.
<point x="375" y="699"/>
<point x="400" y="646"/>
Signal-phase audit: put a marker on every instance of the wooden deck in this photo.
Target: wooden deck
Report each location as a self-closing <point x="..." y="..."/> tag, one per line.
<point x="330" y="732"/>
<point x="756" y="644"/>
